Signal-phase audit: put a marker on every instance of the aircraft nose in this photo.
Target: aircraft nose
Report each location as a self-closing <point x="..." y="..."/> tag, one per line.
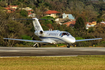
<point x="73" y="40"/>
<point x="69" y="39"/>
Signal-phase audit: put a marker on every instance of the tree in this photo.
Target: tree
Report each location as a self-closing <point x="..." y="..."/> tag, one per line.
<point x="91" y="13"/>
<point x="24" y="13"/>
<point x="3" y="4"/>
<point x="79" y="23"/>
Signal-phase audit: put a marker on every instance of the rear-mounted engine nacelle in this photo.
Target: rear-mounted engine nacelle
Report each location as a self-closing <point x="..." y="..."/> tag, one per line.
<point x="41" y="32"/>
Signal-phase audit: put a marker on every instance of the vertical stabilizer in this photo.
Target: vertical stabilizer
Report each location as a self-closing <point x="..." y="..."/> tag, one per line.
<point x="37" y="25"/>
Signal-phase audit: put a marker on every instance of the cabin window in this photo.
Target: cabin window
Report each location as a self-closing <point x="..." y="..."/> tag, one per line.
<point x="62" y="34"/>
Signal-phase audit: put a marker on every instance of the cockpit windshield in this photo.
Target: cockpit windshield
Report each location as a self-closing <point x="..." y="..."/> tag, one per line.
<point x="64" y="33"/>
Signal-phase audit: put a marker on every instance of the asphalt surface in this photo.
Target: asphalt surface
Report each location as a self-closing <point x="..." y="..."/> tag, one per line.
<point x="51" y="51"/>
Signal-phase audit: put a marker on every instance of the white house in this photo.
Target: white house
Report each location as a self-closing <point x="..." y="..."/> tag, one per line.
<point x="69" y="16"/>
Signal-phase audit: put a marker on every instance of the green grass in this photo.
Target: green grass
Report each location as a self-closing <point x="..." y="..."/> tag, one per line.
<point x="54" y="63"/>
<point x="79" y="38"/>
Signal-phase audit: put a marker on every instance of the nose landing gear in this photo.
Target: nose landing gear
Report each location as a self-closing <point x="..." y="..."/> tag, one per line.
<point x="69" y="45"/>
<point x="37" y="45"/>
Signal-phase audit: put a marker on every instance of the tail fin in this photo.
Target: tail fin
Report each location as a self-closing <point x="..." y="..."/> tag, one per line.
<point x="37" y="25"/>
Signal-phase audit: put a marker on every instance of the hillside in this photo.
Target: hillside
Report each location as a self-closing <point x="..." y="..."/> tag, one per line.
<point x="88" y="10"/>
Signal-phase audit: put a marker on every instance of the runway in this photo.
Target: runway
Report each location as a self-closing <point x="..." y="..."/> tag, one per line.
<point x="51" y="51"/>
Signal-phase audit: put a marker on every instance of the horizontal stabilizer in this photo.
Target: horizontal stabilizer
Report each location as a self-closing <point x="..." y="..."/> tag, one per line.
<point x="88" y="39"/>
<point x="35" y="41"/>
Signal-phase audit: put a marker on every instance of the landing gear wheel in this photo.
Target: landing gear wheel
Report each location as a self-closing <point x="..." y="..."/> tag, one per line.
<point x="68" y="45"/>
<point x="37" y="45"/>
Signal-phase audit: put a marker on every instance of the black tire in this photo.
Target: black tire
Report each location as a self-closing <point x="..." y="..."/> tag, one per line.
<point x="68" y="45"/>
<point x="37" y="45"/>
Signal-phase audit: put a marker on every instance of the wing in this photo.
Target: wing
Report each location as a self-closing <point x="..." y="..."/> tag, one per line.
<point x="88" y="39"/>
<point x="35" y="41"/>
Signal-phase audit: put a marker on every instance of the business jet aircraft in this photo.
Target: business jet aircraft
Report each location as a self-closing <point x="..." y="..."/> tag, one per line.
<point x="52" y="37"/>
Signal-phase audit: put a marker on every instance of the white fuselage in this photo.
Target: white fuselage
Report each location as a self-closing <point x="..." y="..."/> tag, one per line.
<point x="56" y="36"/>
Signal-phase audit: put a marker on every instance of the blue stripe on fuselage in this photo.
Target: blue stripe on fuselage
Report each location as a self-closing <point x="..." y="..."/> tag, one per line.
<point x="52" y="38"/>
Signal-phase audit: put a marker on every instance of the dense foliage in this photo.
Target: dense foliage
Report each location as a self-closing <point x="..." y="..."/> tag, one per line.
<point x="79" y="23"/>
<point x="83" y="10"/>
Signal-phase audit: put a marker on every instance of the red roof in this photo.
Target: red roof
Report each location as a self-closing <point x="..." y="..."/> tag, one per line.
<point x="51" y="12"/>
<point x="7" y="8"/>
<point x="29" y="13"/>
<point x="29" y="10"/>
<point x="70" y="23"/>
<point x="90" y="23"/>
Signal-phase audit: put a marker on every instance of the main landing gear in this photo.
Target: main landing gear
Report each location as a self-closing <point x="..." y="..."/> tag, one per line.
<point x="37" y="45"/>
<point x="68" y="45"/>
